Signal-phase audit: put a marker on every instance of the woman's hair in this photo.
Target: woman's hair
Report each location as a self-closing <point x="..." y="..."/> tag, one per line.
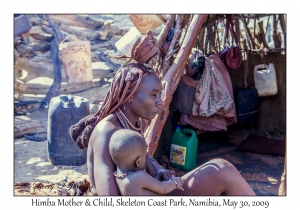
<point x="125" y="83"/>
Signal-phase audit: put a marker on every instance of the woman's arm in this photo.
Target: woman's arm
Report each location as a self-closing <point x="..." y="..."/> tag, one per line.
<point x="156" y="170"/>
<point x="103" y="164"/>
<point x="153" y="168"/>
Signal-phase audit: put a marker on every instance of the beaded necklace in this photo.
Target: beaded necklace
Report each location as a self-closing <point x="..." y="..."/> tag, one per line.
<point x="126" y="123"/>
<point x="121" y="175"/>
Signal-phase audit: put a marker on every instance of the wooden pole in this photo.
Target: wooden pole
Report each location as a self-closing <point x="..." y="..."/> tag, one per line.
<point x="172" y="47"/>
<point x="163" y="34"/>
<point x="282" y="22"/>
<point x="55" y="87"/>
<point x="170" y="83"/>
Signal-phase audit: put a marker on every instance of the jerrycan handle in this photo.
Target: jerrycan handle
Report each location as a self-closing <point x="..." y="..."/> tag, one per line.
<point x="188" y="131"/>
<point x="69" y="103"/>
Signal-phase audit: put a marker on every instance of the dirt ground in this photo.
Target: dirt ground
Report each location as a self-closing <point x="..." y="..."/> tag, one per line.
<point x="31" y="164"/>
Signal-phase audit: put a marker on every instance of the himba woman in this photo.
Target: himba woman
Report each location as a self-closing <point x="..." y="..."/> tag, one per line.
<point x="133" y="99"/>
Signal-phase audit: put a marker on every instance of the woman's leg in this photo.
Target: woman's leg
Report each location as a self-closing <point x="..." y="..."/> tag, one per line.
<point x="215" y="177"/>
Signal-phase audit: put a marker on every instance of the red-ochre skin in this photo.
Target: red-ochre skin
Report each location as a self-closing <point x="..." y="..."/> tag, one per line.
<point x="215" y="177"/>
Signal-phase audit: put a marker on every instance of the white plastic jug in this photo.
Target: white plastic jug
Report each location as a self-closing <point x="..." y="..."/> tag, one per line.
<point x="125" y="44"/>
<point x="265" y="80"/>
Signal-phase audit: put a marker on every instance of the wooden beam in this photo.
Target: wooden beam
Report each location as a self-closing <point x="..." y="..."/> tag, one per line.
<point x="163" y="34"/>
<point x="57" y="79"/>
<point x="81" y="34"/>
<point x="261" y="35"/>
<point x="282" y="22"/>
<point x="35" y="69"/>
<point x="85" y="21"/>
<point x="171" y="81"/>
<point x="33" y="47"/>
<point x="172" y="47"/>
<point x="31" y="88"/>
<point x="22" y="127"/>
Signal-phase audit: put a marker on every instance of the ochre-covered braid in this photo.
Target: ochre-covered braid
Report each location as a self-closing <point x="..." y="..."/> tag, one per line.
<point x="125" y="83"/>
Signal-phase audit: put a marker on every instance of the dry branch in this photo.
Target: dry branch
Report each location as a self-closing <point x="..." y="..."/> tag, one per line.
<point x="276" y="35"/>
<point x="172" y="48"/>
<point x="85" y="21"/>
<point x="163" y="34"/>
<point x="94" y="94"/>
<point x="35" y="69"/>
<point x="65" y="88"/>
<point x="170" y="83"/>
<point x="57" y="38"/>
<point x="81" y="34"/>
<point x="283" y="27"/>
<point x="237" y="31"/>
<point x="22" y="127"/>
<point x="41" y="37"/>
<point x="33" y="47"/>
<point x="261" y="35"/>
<point x="201" y="39"/>
<point x="109" y="30"/>
<point x="247" y="31"/>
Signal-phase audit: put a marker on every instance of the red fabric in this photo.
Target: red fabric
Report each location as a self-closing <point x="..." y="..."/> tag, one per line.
<point x="233" y="58"/>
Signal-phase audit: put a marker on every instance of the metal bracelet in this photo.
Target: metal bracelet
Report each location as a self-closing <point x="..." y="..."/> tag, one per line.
<point x="174" y="181"/>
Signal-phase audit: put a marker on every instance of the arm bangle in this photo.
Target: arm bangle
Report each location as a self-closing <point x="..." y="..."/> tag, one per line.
<point x="174" y="181"/>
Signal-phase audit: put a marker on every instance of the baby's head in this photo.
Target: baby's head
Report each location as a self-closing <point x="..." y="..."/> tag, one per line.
<point x="128" y="148"/>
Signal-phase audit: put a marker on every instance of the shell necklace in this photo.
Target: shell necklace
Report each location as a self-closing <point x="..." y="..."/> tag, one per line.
<point x="126" y="123"/>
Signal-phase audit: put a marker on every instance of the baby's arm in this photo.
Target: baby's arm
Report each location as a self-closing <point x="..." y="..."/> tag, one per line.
<point x="147" y="182"/>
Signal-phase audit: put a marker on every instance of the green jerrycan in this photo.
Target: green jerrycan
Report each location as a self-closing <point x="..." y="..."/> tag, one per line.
<point x="183" y="152"/>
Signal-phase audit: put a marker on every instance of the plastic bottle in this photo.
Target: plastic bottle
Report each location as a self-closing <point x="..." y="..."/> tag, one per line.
<point x="184" y="147"/>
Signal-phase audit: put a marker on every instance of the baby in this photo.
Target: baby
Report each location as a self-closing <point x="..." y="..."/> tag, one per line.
<point x="128" y="150"/>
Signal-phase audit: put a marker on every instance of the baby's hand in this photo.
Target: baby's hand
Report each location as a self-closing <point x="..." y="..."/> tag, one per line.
<point x="179" y="182"/>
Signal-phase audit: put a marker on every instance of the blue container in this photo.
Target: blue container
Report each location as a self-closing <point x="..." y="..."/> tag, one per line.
<point x="63" y="112"/>
<point x="246" y="105"/>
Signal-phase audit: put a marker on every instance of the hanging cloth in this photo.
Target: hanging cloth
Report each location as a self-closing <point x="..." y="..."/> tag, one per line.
<point x="212" y="94"/>
<point x="214" y="122"/>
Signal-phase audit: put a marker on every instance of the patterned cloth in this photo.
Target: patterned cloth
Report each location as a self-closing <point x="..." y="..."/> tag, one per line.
<point x="213" y="110"/>
<point x="212" y="94"/>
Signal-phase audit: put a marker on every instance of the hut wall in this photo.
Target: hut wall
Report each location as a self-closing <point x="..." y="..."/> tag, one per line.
<point x="272" y="114"/>
<point x="272" y="109"/>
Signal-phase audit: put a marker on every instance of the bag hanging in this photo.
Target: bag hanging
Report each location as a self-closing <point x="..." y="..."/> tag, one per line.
<point x="246" y="101"/>
<point x="184" y="95"/>
<point x="231" y="55"/>
<point x="233" y="58"/>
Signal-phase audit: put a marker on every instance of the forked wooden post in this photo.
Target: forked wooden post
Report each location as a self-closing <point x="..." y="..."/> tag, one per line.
<point x="170" y="82"/>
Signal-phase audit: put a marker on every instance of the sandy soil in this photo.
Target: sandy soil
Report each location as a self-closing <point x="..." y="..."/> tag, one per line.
<point x="31" y="165"/>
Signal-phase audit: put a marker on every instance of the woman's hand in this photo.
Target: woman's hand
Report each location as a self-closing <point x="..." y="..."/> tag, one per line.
<point x="164" y="174"/>
<point x="179" y="182"/>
